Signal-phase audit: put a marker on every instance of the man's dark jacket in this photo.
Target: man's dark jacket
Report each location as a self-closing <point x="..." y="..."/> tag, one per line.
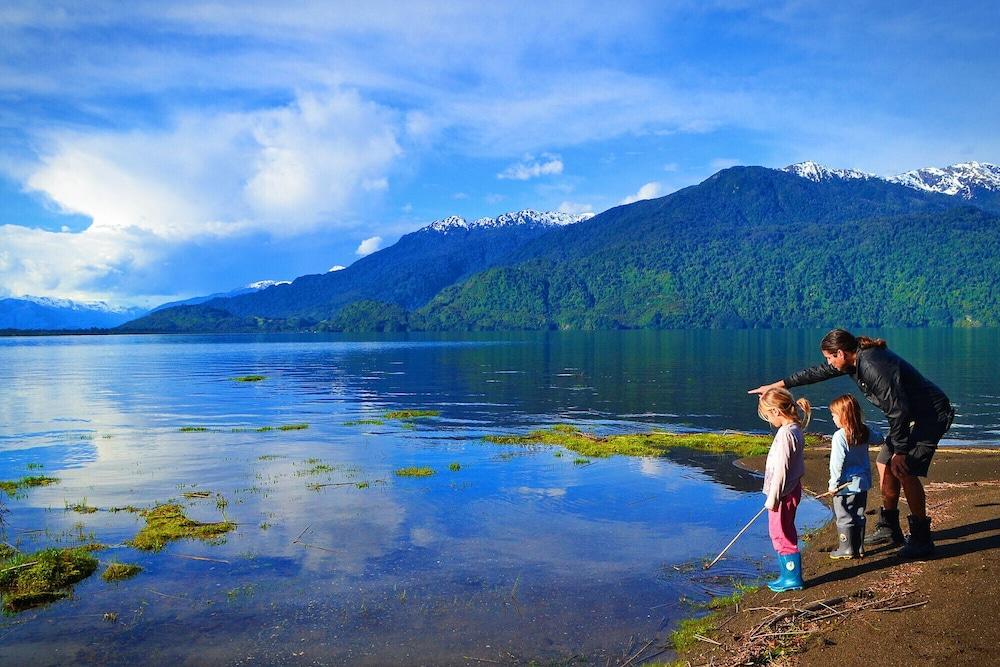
<point x="893" y="386"/>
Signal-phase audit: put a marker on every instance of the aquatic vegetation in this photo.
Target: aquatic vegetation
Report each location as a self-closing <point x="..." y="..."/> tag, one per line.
<point x="34" y="466"/>
<point x="249" y="378"/>
<point x="120" y="571"/>
<point x="315" y="468"/>
<point x="362" y="485"/>
<point x="82" y="507"/>
<point x="265" y="429"/>
<point x="12" y="487"/>
<point x="653" y="443"/>
<point x="30" y="580"/>
<point x="364" y="422"/>
<point x="454" y="467"/>
<point x="411" y="414"/>
<point x="415" y="472"/>
<point x="580" y="461"/>
<point x="193" y="429"/>
<point x="168" y="522"/>
<point x="197" y="494"/>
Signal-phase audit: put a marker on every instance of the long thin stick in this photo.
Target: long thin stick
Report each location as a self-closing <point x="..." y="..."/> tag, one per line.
<point x="830" y="493"/>
<point x="731" y="543"/>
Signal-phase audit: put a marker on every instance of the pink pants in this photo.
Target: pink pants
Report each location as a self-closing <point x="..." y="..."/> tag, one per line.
<point x="781" y="524"/>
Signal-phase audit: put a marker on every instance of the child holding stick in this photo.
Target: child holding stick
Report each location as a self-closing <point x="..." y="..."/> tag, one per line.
<point x="783" y="481"/>
<point x="849" y="464"/>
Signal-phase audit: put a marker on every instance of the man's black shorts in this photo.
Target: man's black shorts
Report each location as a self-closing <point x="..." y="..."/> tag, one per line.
<point x="924" y="437"/>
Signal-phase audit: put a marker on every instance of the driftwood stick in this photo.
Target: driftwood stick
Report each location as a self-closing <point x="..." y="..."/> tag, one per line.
<point x="636" y="655"/>
<point x="905" y="606"/>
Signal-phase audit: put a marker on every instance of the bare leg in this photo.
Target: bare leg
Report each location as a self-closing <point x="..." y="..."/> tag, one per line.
<point x="915" y="497"/>
<point x="890" y="488"/>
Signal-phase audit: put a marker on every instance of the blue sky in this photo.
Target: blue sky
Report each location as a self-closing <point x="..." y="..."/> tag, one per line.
<point x="150" y="151"/>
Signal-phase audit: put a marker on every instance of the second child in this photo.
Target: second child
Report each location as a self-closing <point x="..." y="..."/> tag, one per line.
<point x="783" y="481"/>
<point x="850" y="465"/>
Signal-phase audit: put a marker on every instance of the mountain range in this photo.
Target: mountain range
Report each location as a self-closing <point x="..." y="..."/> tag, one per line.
<point x="749" y="246"/>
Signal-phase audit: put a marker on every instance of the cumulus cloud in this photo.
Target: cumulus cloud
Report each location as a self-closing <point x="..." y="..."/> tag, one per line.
<point x="529" y="167"/>
<point x="574" y="208"/>
<point x="280" y="171"/>
<point x="650" y="190"/>
<point x="368" y="246"/>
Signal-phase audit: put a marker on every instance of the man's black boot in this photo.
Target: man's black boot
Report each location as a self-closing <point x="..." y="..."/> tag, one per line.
<point x="918" y="544"/>
<point x="886" y="530"/>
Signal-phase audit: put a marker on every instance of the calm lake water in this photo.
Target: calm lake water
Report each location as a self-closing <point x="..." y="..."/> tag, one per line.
<point x="520" y="554"/>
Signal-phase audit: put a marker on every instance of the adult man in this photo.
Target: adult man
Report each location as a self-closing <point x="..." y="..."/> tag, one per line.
<point x="919" y="415"/>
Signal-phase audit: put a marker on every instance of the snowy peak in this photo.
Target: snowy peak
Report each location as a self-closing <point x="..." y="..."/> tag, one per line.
<point x="816" y="172"/>
<point x="515" y="218"/>
<point x="82" y="306"/>
<point x="961" y="179"/>
<point x="264" y="284"/>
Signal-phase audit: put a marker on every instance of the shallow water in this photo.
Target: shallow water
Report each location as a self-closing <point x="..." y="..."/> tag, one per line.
<point x="520" y="553"/>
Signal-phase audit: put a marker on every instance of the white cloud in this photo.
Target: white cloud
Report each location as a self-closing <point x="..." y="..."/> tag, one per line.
<point x="460" y="195"/>
<point x="280" y="171"/>
<point x="529" y="167"/>
<point x="671" y="167"/>
<point x="575" y="209"/>
<point x="648" y="191"/>
<point x="336" y="267"/>
<point x="368" y="246"/>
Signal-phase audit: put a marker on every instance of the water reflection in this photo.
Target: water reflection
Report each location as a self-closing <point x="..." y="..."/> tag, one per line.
<point x="518" y="553"/>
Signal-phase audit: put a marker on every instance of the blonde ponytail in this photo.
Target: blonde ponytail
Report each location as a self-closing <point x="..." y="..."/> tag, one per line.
<point x="806" y="408"/>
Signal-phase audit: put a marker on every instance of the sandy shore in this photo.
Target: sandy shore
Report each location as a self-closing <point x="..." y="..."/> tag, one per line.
<point x="882" y="610"/>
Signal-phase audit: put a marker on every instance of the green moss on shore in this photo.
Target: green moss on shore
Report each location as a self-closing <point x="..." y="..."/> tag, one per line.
<point x="653" y="443"/>
<point x="30" y="580"/>
<point x="168" y="522"/>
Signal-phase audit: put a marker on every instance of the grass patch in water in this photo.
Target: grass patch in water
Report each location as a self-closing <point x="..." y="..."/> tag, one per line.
<point x="653" y="443"/>
<point x="34" y="466"/>
<point x="82" y="507"/>
<point x="364" y="422"/>
<point x="581" y="462"/>
<point x="415" y="472"/>
<point x="250" y="378"/>
<point x="13" y="486"/>
<point x="30" y="580"/>
<point x="168" y="522"/>
<point x="120" y="571"/>
<point x="454" y="467"/>
<point x="193" y="429"/>
<point x="411" y="414"/>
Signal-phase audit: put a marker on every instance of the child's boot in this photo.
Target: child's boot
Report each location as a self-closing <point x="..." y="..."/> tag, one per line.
<point x="887" y="529"/>
<point x="918" y="544"/>
<point x="790" y="578"/>
<point x="852" y="543"/>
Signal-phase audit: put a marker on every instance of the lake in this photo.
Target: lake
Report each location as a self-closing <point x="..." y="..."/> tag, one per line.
<point x="520" y="553"/>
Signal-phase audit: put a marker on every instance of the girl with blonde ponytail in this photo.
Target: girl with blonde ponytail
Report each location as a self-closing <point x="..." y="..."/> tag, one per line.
<point x="783" y="480"/>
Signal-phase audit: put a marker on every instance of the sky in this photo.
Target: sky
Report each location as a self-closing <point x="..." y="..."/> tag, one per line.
<point x="151" y="151"/>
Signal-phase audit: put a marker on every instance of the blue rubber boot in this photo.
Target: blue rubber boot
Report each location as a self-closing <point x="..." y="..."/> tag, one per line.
<point x="791" y="574"/>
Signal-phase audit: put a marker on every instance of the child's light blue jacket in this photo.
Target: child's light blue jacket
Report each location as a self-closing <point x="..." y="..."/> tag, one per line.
<point x="851" y="464"/>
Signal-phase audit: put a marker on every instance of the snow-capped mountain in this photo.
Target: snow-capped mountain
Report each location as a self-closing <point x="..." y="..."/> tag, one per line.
<point x="818" y="173"/>
<point x="252" y="287"/>
<point x="967" y="179"/>
<point x="527" y="217"/>
<point x="963" y="179"/>
<point x="35" y="312"/>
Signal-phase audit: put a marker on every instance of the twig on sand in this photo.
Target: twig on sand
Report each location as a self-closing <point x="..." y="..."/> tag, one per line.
<point x="905" y="606"/>
<point x="703" y="638"/>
